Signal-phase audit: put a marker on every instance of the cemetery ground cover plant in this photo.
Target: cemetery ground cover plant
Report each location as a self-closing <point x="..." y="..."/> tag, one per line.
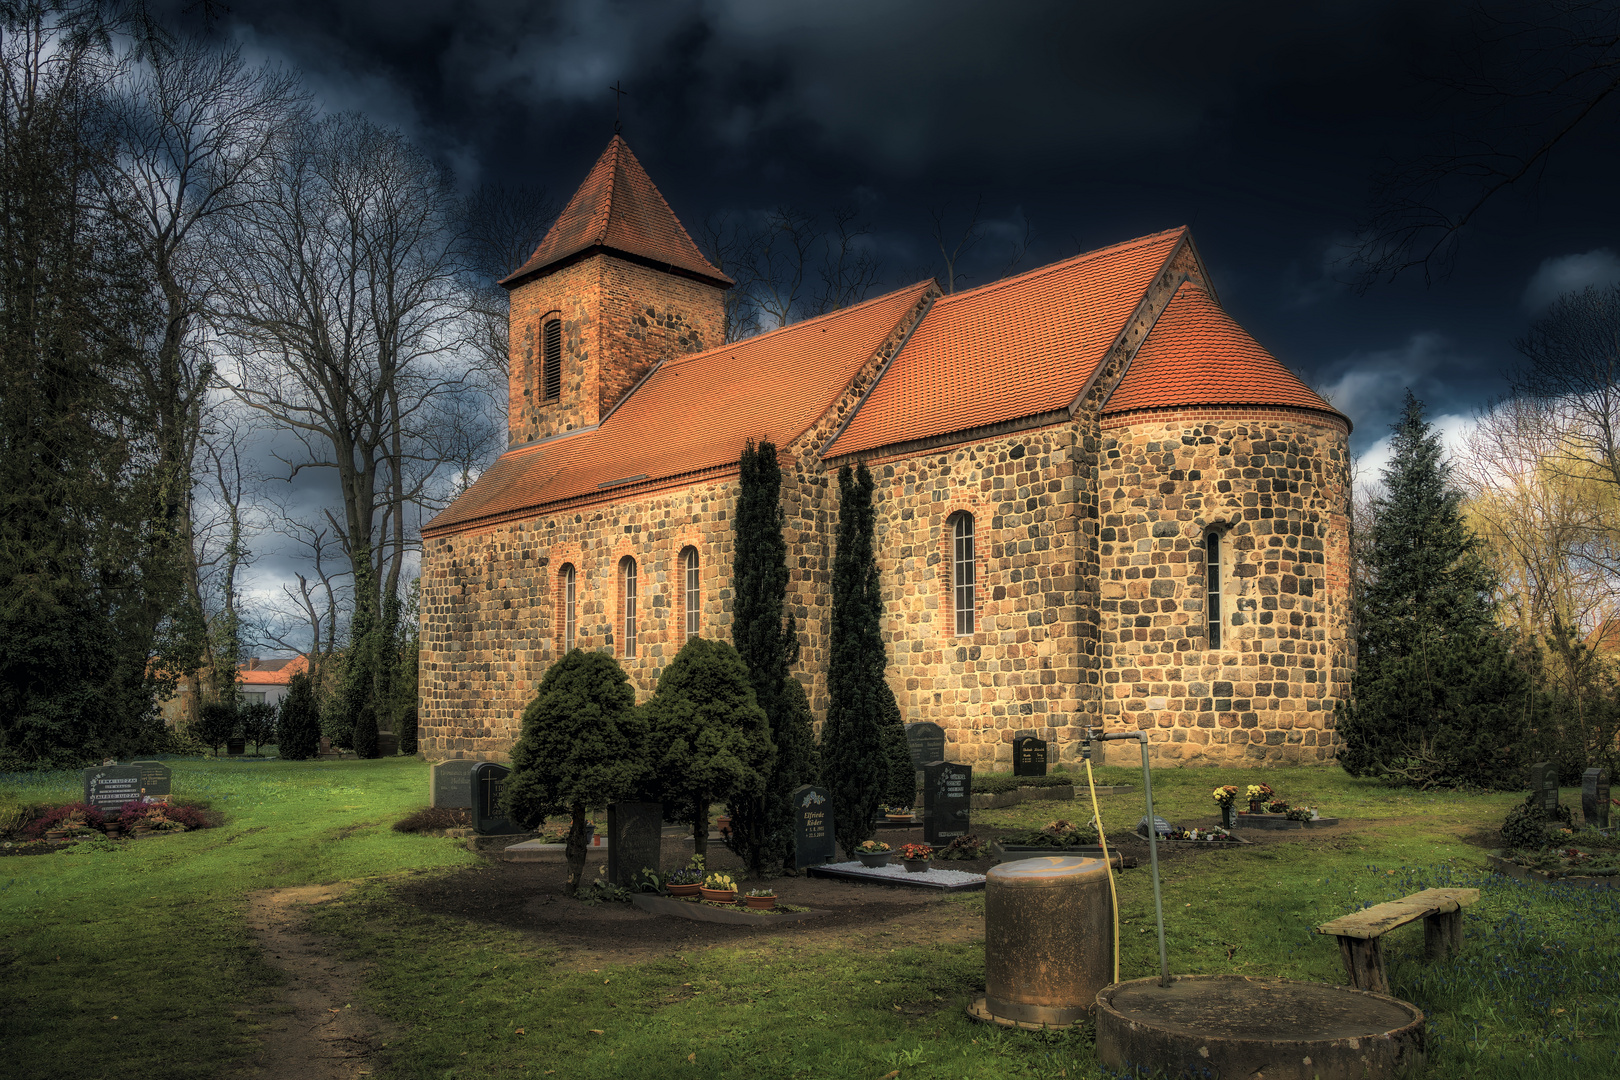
<point x="468" y="997"/>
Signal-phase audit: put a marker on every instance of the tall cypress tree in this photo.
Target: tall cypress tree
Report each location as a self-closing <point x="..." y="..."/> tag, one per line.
<point x="853" y="746"/>
<point x="767" y="639"/>
<point x="1437" y="698"/>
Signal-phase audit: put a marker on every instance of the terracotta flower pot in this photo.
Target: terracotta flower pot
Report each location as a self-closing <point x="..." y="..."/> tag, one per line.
<point x="918" y="866"/>
<point x="760" y="903"/>
<point x="720" y="896"/>
<point x="684" y="890"/>
<point x="873" y="859"/>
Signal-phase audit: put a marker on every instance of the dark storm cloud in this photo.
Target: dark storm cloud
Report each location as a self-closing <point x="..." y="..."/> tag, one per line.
<point x="1259" y="124"/>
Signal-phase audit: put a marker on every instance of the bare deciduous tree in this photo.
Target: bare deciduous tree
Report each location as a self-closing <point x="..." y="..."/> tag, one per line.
<point x="501" y="228"/>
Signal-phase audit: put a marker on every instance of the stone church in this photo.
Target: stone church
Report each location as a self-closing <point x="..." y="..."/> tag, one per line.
<point x="1099" y="500"/>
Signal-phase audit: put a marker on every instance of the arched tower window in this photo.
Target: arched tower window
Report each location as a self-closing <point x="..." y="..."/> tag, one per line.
<point x="694" y="590"/>
<point x="963" y="585"/>
<point x="551" y="360"/>
<point x="1212" y="587"/>
<point x="627" y="594"/>
<point x="568" y="602"/>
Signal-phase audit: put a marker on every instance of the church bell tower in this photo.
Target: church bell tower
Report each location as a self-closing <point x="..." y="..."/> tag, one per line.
<point x="616" y="286"/>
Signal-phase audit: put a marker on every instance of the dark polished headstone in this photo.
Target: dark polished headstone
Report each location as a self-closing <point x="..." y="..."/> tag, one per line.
<point x="1595" y="798"/>
<point x="156" y="778"/>
<point x="450" y="783"/>
<point x="813" y="837"/>
<point x="947" y="796"/>
<point x="925" y="741"/>
<point x="1029" y="756"/>
<point x="109" y="787"/>
<point x="635" y="839"/>
<point x="1544" y="785"/>
<point x="486" y="796"/>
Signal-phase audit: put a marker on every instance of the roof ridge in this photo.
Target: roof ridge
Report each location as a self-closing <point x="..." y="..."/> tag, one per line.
<point x="918" y="286"/>
<point x="1052" y="267"/>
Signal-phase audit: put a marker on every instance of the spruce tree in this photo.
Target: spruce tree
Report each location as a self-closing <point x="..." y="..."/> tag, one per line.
<point x="707" y="737"/>
<point x="766" y="637"/>
<point x="298" y="729"/>
<point x="581" y="747"/>
<point x="1437" y="698"/>
<point x="855" y="764"/>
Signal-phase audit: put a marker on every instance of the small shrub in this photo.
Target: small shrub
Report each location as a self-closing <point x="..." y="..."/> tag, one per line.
<point x="963" y="847"/>
<point x="13" y="816"/>
<point x="433" y="818"/>
<point x="1526" y="826"/>
<point x="165" y="817"/>
<point x="67" y="814"/>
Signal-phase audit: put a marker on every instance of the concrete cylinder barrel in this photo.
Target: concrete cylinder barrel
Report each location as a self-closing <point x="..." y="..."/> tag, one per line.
<point x="1048" y="939"/>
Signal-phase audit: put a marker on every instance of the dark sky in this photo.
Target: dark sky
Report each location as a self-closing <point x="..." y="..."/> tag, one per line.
<point x="1261" y="125"/>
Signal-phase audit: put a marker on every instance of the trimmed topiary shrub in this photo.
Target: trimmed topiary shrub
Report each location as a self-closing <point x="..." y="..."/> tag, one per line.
<point x="299" y="725"/>
<point x="365" y="732"/>
<point x="407" y="731"/>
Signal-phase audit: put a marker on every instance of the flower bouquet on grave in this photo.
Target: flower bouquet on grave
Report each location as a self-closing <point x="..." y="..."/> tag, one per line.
<point x="1226" y="798"/>
<point x="897" y="813"/>
<point x="719" y="888"/>
<point x="1300" y="813"/>
<point x="760" y="899"/>
<point x="963" y="847"/>
<point x="1276" y="806"/>
<point x="917" y="857"/>
<point x="1258" y="795"/>
<point x="873" y="853"/>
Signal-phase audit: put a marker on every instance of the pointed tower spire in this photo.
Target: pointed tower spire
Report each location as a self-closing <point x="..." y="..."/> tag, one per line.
<point x="619" y="209"/>
<point x="616" y="287"/>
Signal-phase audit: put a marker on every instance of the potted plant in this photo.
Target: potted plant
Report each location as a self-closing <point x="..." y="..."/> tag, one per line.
<point x="687" y="880"/>
<point x="1258" y="795"/>
<point x="916" y="857"/>
<point x="718" y="888"/>
<point x="873" y="853"/>
<point x="760" y="899"/>
<point x="1226" y="799"/>
<point x="897" y="813"/>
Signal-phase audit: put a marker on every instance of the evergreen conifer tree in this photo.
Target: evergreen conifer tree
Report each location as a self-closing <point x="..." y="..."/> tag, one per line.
<point x="581" y="747"/>
<point x="298" y="729"/>
<point x="365" y="732"/>
<point x="767" y="639"/>
<point x="900" y="787"/>
<point x="408" y="725"/>
<point x="1438" y="697"/>
<point x="707" y="737"/>
<point x="855" y="763"/>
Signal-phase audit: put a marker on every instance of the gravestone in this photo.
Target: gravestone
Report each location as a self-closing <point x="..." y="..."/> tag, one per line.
<point x="486" y="799"/>
<point x="635" y="837"/>
<point x="947" y="795"/>
<point x="1160" y="826"/>
<point x="387" y="744"/>
<point x="813" y="836"/>
<point x="111" y="786"/>
<point x="450" y="783"/>
<point x="1029" y="756"/>
<point x="155" y="778"/>
<point x="1595" y="798"/>
<point x="1544" y="786"/>
<point x="236" y="747"/>
<point x="926" y="742"/>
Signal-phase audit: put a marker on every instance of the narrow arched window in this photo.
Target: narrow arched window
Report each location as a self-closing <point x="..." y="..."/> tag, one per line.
<point x="962" y="581"/>
<point x="1212" y="587"/>
<point x="567" y="601"/>
<point x="551" y="361"/>
<point x="694" y="591"/>
<point x="627" y="579"/>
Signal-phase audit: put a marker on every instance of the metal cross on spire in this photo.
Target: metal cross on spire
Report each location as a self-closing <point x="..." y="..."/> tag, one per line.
<point x="618" y="94"/>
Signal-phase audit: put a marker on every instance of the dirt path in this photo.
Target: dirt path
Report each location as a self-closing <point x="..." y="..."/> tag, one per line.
<point x="315" y="1028"/>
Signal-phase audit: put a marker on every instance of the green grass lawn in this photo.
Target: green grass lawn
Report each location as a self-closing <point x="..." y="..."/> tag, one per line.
<point x="152" y="934"/>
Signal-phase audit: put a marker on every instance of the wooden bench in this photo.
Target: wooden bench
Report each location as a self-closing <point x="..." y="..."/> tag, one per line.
<point x="1361" y="934"/>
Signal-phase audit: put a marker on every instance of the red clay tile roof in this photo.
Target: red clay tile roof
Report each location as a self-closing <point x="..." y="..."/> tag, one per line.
<point x="273" y="672"/>
<point x="1196" y="355"/>
<point x="619" y="207"/>
<point x="1016" y="348"/>
<point x="694" y="413"/>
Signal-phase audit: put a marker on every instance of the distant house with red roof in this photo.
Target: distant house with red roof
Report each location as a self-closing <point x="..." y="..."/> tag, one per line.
<point x="1099" y="500"/>
<point x="260" y="681"/>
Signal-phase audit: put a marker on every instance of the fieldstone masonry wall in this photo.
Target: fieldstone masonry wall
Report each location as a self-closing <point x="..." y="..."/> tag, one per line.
<point x="1274" y="484"/>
